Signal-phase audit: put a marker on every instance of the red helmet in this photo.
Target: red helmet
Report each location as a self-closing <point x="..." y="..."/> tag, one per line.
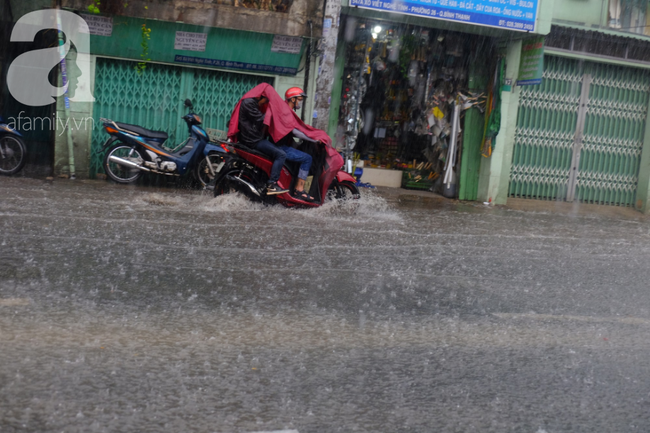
<point x="293" y="93"/>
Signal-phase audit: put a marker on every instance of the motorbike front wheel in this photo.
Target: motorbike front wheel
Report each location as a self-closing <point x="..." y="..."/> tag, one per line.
<point x="122" y="173"/>
<point x="13" y="154"/>
<point x="345" y="190"/>
<point x="208" y="168"/>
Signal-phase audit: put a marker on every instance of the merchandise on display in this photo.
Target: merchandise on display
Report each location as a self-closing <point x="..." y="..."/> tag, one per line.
<point x="402" y="85"/>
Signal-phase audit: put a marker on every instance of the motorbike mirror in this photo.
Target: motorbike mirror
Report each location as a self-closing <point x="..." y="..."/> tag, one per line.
<point x="188" y="103"/>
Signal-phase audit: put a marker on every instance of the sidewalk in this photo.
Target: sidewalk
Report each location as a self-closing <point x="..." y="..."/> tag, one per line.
<point x="411" y="195"/>
<point x="426" y="198"/>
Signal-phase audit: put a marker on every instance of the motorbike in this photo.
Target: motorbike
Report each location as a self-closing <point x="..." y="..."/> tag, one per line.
<point x="247" y="170"/>
<point x="13" y="152"/>
<point x="132" y="150"/>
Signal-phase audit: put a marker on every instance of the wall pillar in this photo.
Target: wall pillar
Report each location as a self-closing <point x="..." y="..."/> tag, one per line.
<point x="473" y="129"/>
<point x="326" y="75"/>
<point x="494" y="175"/>
<point x="80" y="123"/>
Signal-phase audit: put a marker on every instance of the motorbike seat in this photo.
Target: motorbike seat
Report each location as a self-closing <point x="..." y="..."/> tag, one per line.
<point x="248" y="149"/>
<point x="183" y="148"/>
<point x="290" y="165"/>
<point x="158" y="135"/>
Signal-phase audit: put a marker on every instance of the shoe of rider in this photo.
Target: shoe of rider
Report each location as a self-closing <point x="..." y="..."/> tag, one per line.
<point x="302" y="195"/>
<point x="273" y="189"/>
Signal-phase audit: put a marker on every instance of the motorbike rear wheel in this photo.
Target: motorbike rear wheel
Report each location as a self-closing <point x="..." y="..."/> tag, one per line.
<point x="13" y="154"/>
<point x="120" y="173"/>
<point x="227" y="186"/>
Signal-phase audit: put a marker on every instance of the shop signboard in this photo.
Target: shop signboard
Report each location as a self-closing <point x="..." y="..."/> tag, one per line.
<point x="190" y="41"/>
<point x="531" y="65"/>
<point x="98" y="25"/>
<point x="286" y="44"/>
<point x="518" y="15"/>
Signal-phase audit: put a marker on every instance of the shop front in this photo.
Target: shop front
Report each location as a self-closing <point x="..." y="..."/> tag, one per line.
<point x="211" y="66"/>
<point x="426" y="91"/>
<point x="410" y="88"/>
<point x="582" y="133"/>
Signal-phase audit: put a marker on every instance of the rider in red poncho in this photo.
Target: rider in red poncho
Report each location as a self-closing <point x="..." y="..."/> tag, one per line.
<point x="263" y="109"/>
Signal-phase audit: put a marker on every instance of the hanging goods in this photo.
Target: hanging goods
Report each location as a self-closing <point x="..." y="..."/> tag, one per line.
<point x="451" y="153"/>
<point x="493" y="115"/>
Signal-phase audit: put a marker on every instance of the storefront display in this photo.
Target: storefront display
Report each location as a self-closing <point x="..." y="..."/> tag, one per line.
<point x="401" y="84"/>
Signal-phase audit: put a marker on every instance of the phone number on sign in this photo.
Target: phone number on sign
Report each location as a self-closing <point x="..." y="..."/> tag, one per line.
<point x="515" y="25"/>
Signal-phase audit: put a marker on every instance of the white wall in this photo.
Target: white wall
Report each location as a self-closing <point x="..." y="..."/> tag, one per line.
<point x="282" y="84"/>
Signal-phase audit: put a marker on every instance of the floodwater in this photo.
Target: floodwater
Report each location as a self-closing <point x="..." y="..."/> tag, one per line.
<point x="139" y="309"/>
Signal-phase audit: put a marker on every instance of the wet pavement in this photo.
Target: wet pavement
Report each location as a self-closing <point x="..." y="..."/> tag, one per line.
<point x="142" y="309"/>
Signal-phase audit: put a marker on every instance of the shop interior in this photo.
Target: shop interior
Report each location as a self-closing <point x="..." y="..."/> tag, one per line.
<point x="408" y="89"/>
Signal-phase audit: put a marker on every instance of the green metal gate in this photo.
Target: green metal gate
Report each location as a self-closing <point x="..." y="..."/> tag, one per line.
<point x="154" y="99"/>
<point x="580" y="133"/>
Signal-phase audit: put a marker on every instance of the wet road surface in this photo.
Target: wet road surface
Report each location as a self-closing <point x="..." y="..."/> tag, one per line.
<point x="140" y="309"/>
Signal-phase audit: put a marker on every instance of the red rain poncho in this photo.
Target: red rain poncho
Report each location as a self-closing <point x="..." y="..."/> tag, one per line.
<point x="280" y="119"/>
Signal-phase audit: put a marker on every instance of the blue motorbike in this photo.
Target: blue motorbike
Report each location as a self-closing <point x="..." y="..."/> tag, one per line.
<point x="132" y="150"/>
<point x="13" y="152"/>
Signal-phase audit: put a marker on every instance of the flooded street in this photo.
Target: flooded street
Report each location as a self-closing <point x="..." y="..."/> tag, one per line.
<point x="141" y="309"/>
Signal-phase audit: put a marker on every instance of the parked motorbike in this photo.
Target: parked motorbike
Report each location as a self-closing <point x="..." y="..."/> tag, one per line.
<point x="133" y="150"/>
<point x="13" y="152"/>
<point x="247" y="171"/>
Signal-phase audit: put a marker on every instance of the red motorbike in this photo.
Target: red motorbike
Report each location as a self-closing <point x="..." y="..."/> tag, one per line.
<point x="246" y="171"/>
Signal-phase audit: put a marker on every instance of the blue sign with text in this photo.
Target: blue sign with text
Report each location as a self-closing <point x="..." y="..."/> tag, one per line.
<point x="509" y="14"/>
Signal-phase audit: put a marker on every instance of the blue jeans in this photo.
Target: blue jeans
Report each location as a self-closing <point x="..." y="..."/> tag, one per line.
<point x="298" y="156"/>
<point x="277" y="155"/>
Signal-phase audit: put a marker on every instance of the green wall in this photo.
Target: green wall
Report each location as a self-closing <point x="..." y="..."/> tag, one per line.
<point x="494" y="176"/>
<point x="590" y="13"/>
<point x="222" y="44"/>
<point x="473" y="129"/>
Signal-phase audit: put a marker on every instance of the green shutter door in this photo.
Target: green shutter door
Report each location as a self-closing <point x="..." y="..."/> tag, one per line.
<point x="216" y="94"/>
<point x="546" y="127"/>
<point x="580" y="133"/>
<point x="154" y="99"/>
<point x="613" y="135"/>
<point x="150" y="100"/>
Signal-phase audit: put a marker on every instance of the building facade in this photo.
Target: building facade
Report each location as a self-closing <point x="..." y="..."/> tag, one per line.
<point x="147" y="57"/>
<point x="579" y="135"/>
<point x="400" y="75"/>
<point x="582" y="135"/>
<point x="382" y="81"/>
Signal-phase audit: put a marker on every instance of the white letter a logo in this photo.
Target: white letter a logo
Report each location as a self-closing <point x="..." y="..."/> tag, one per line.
<point x="27" y="77"/>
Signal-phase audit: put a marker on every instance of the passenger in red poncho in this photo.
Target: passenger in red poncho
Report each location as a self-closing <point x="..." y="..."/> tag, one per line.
<point x="293" y="97"/>
<point x="253" y="116"/>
